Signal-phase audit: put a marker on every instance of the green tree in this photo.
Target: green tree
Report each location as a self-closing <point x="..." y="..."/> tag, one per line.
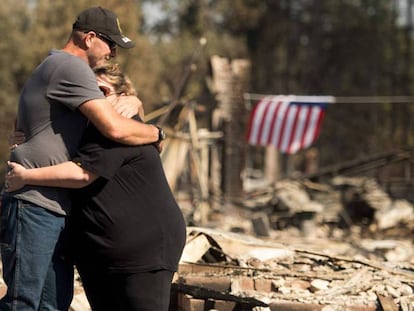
<point x="340" y="48"/>
<point x="13" y="28"/>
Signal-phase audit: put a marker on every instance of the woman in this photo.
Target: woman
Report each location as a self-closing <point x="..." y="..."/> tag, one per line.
<point x="126" y="229"/>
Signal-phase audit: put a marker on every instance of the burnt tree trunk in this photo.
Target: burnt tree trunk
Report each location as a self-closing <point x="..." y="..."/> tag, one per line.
<point x="230" y="82"/>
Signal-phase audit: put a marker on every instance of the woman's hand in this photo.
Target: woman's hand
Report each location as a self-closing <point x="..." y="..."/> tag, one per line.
<point x="127" y="106"/>
<point x="15" y="177"/>
<point x="16" y="138"/>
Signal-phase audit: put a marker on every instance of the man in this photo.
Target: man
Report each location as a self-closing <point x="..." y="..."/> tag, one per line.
<point x="55" y="104"/>
<point x="127" y="239"/>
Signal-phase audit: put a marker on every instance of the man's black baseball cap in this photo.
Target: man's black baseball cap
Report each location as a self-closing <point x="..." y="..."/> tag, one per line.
<point x="104" y="23"/>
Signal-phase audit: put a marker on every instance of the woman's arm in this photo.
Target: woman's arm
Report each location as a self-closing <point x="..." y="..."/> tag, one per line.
<point x="64" y="175"/>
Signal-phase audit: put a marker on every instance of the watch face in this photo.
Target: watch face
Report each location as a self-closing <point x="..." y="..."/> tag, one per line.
<point x="161" y="134"/>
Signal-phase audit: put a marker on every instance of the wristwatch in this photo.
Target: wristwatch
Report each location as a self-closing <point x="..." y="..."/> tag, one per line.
<point x="161" y="134"/>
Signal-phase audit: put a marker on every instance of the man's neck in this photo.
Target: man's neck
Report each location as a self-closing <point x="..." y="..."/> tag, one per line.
<point x="71" y="48"/>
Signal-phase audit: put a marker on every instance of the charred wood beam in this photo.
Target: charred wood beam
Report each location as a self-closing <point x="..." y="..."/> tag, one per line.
<point x="362" y="164"/>
<point x="198" y="292"/>
<point x="181" y="88"/>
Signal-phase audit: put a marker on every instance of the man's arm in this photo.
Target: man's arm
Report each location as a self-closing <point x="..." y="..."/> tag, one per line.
<point x="64" y="175"/>
<point x="116" y="127"/>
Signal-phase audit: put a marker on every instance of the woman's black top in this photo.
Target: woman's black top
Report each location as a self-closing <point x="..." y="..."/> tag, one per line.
<point x="127" y="220"/>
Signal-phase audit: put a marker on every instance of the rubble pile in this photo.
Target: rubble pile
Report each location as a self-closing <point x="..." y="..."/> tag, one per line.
<point x="345" y="203"/>
<point x="238" y="272"/>
<point x="298" y="246"/>
<point x="345" y="245"/>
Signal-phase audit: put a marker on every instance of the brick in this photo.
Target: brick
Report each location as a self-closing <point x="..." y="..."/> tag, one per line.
<point x="242" y="284"/>
<point x="263" y="285"/>
<point x="224" y="305"/>
<point x="217" y="283"/>
<point x="188" y="303"/>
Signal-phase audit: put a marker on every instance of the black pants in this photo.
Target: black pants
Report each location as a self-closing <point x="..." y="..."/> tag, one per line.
<point x="142" y="291"/>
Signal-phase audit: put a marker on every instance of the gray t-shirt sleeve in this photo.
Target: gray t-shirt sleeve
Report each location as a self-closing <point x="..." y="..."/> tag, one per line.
<point x="73" y="83"/>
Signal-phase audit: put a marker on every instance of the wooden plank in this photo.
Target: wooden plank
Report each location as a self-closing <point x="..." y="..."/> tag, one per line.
<point x="173" y="159"/>
<point x="387" y="303"/>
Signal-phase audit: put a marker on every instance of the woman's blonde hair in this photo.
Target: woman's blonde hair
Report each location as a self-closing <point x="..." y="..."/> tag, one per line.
<point x="121" y="83"/>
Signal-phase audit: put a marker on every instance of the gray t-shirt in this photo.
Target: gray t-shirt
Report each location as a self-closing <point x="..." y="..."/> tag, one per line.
<point x="51" y="122"/>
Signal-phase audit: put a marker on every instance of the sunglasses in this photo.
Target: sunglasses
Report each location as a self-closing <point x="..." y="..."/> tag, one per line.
<point x="111" y="44"/>
<point x="104" y="38"/>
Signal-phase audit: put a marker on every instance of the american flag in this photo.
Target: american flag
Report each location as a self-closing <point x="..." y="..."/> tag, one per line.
<point x="289" y="123"/>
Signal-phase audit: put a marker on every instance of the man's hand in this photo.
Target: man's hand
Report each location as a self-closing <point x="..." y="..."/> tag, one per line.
<point x="15" y="177"/>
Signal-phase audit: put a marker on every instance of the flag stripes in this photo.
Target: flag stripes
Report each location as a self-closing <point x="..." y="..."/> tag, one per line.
<point x="289" y="123"/>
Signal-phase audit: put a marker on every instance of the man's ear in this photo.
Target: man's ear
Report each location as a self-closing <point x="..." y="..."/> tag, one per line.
<point x="90" y="36"/>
